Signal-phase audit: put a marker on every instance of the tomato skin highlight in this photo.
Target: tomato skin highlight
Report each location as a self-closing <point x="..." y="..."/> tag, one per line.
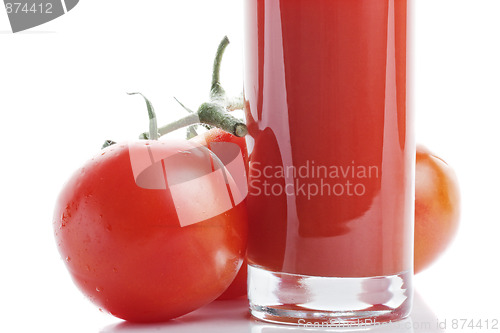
<point x="125" y="248"/>
<point x="437" y="207"/>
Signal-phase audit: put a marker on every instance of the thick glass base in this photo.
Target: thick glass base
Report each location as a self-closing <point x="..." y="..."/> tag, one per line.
<point x="328" y="301"/>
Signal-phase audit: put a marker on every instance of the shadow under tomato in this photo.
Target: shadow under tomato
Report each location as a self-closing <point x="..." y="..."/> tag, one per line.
<point x="219" y="316"/>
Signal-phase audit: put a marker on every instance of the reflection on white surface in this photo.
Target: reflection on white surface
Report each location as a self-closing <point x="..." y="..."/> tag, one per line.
<point x="219" y="316"/>
<point x="233" y="316"/>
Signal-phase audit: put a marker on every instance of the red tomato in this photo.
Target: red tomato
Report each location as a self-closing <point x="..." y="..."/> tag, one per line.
<point x="437" y="207"/>
<point x="238" y="287"/>
<point x="151" y="230"/>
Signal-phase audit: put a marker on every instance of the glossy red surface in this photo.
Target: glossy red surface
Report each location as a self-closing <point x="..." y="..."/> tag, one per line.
<point x="126" y="246"/>
<point x="325" y="93"/>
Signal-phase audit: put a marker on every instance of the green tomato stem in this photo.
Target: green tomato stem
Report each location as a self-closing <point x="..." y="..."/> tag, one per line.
<point x="191" y="132"/>
<point x="217" y="93"/>
<point x="237" y="103"/>
<point x="213" y="113"/>
<point x="108" y="143"/>
<point x="210" y="113"/>
<point x="188" y="120"/>
<point x="153" y="126"/>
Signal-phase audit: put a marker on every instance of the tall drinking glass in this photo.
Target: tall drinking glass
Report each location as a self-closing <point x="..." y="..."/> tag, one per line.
<point x="331" y="179"/>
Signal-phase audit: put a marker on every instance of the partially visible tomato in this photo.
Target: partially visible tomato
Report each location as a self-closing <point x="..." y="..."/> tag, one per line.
<point x="238" y="287"/>
<point x="437" y="207"/>
<point x="151" y="230"/>
<point x="218" y="135"/>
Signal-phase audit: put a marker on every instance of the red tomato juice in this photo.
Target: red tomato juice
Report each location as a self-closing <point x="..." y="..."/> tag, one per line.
<point x="332" y="151"/>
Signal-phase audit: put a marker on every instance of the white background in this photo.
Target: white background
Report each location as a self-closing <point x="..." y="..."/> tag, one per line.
<point x="62" y="93"/>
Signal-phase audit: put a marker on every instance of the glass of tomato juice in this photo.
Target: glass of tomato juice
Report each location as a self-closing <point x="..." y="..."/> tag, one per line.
<point x="332" y="155"/>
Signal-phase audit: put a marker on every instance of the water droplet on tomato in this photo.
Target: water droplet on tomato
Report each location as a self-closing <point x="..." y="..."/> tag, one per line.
<point x="115" y="269"/>
<point x="98" y="289"/>
<point x="68" y="259"/>
<point x="109" y="227"/>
